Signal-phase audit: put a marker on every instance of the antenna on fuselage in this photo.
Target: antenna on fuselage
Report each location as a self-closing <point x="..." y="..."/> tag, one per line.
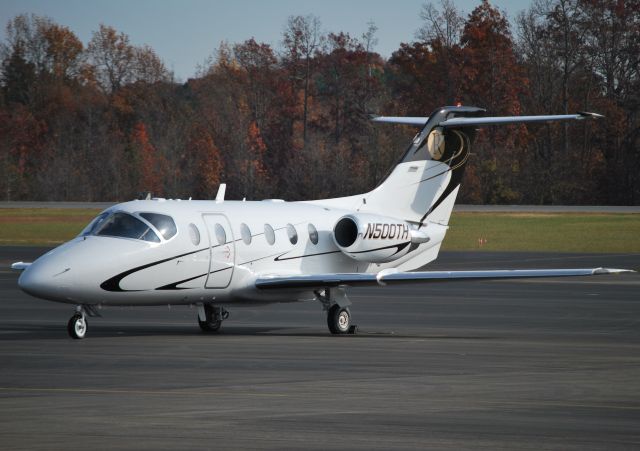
<point x="221" y="190"/>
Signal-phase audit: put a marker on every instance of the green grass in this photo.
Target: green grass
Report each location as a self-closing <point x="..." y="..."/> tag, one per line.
<point x="499" y="231"/>
<point x="42" y="226"/>
<point x="544" y="232"/>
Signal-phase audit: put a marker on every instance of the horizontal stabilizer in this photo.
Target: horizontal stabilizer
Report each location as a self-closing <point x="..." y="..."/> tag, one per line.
<point x="479" y="121"/>
<point x="500" y="120"/>
<point x="20" y="266"/>
<point x="390" y="276"/>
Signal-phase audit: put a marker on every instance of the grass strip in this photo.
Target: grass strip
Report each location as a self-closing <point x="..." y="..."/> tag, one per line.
<point x="570" y="232"/>
<point x="42" y="226"/>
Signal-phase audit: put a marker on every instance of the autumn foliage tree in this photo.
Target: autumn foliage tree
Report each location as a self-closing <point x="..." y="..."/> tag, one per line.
<point x="151" y="168"/>
<point x="105" y="119"/>
<point x="209" y="167"/>
<point x="492" y="77"/>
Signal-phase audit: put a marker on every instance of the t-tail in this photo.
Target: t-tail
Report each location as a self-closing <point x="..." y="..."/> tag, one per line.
<point x="422" y="187"/>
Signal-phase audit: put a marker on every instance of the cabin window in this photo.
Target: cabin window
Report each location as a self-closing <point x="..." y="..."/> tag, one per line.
<point x="221" y="235"/>
<point x="163" y="223"/>
<point x="124" y="225"/>
<point x="194" y="234"/>
<point x="269" y="234"/>
<point x="313" y="233"/>
<point x="245" y="233"/>
<point x="291" y="232"/>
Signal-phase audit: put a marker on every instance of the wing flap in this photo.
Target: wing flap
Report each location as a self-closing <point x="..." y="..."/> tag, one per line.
<point x="385" y="277"/>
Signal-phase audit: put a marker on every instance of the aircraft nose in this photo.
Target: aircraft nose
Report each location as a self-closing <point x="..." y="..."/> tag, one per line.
<point x="45" y="279"/>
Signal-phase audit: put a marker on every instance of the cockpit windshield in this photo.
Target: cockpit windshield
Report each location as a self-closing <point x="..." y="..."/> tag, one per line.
<point x="120" y="224"/>
<point x="95" y="224"/>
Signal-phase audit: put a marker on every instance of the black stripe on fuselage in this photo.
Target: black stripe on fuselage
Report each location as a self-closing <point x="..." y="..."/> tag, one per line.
<point x="113" y="284"/>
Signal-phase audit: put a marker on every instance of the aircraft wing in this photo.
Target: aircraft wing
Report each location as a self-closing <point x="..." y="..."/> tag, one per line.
<point x="20" y="266"/>
<point x="391" y="276"/>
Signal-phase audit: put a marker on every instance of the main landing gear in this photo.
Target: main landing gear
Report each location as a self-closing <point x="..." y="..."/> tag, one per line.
<point x="210" y="317"/>
<point x="336" y="303"/>
<point x="78" y="324"/>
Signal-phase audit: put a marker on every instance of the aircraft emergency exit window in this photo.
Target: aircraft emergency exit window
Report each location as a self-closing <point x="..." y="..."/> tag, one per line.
<point x="269" y="234"/>
<point x="245" y="233"/>
<point x="221" y="235"/>
<point x="293" y="235"/>
<point x="313" y="233"/>
<point x="124" y="225"/>
<point x="163" y="223"/>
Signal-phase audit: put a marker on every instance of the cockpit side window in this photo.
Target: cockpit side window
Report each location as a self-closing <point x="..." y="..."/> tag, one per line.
<point x="163" y="223"/>
<point x="124" y="225"/>
<point x="95" y="224"/>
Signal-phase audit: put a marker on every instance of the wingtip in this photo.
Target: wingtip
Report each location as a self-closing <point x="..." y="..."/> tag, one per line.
<point x="599" y="271"/>
<point x="587" y="114"/>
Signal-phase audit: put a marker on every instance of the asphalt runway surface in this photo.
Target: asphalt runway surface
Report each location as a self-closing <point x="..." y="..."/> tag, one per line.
<point x="544" y="364"/>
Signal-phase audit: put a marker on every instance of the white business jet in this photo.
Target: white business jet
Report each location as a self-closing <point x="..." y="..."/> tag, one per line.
<point x="216" y="254"/>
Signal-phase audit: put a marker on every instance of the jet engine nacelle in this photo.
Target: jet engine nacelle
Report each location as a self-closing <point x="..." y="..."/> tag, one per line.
<point x="375" y="239"/>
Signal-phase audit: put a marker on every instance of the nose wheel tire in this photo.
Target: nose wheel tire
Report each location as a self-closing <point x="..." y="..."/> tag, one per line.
<point x="77" y="326"/>
<point x="339" y="320"/>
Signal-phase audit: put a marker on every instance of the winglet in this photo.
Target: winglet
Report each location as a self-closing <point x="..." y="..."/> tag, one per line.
<point x="20" y="266"/>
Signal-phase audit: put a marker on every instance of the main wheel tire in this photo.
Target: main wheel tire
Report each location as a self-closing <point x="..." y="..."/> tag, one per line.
<point x="210" y="326"/>
<point x="339" y="320"/>
<point x="77" y="327"/>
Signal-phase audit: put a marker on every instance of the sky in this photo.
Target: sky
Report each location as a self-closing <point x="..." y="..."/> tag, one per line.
<point x="185" y="33"/>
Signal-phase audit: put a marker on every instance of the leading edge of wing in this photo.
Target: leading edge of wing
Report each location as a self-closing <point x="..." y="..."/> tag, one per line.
<point x="390" y="277"/>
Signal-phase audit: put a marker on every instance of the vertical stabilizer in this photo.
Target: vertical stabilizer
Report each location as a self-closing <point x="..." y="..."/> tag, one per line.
<point x="423" y="186"/>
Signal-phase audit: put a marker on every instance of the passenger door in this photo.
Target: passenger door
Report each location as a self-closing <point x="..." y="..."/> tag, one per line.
<point x="222" y="248"/>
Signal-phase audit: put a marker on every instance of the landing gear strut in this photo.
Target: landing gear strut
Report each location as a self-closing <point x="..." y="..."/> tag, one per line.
<point x="336" y="304"/>
<point x="210" y="317"/>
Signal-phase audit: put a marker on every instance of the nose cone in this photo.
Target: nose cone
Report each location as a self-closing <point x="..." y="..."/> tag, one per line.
<point x="46" y="278"/>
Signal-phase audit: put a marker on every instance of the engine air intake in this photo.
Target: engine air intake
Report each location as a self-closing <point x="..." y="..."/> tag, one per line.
<point x="346" y="232"/>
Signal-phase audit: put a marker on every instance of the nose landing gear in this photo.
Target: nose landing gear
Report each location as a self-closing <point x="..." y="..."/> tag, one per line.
<point x="78" y="324"/>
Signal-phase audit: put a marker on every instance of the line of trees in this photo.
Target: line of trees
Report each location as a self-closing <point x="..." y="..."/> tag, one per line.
<point x="107" y="120"/>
